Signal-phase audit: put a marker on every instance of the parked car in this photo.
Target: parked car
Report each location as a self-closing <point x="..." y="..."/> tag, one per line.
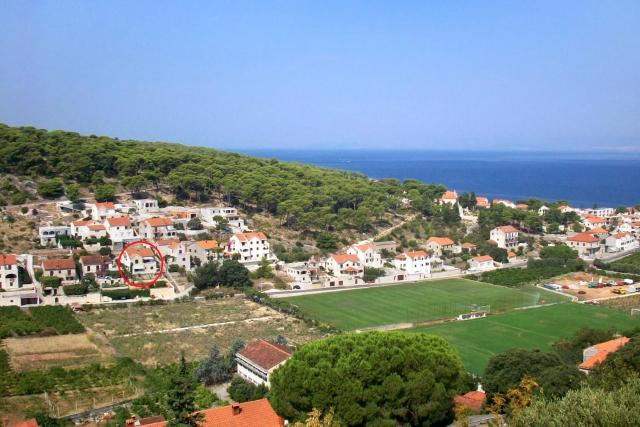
<point x="619" y="291"/>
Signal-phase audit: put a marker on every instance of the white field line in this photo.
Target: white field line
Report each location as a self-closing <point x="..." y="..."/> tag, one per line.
<point x="202" y="326"/>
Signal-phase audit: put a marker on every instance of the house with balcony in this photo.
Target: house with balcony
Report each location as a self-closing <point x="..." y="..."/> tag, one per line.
<point x="343" y="265"/>
<point x="367" y="253"/>
<point x="100" y="211"/>
<point x="505" y="236"/>
<point x="175" y="252"/>
<point x="48" y="234"/>
<point x="139" y="259"/>
<point x="619" y="242"/>
<point x="416" y="262"/>
<point x="257" y="360"/>
<point x="157" y="228"/>
<point x="251" y="247"/>
<point x="98" y="265"/>
<point x="587" y="245"/>
<point x="205" y="251"/>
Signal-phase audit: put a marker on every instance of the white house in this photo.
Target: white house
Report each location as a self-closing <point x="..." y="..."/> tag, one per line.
<point x="205" y="250"/>
<point x="481" y="263"/>
<point x="586" y="244"/>
<point x="98" y="265"/>
<point x="367" y="254"/>
<point x="157" y="228"/>
<point x="146" y="205"/>
<point x="140" y="260"/>
<point x="438" y="245"/>
<point x="65" y="269"/>
<point x="621" y="242"/>
<point x="87" y="229"/>
<point x="505" y="236"/>
<point x="100" y="211"/>
<point x="543" y="210"/>
<point x="415" y="262"/>
<point x="175" y="252"/>
<point x="259" y="359"/>
<point x="48" y="234"/>
<point x="591" y="221"/>
<point x="343" y="265"/>
<point x="210" y="215"/>
<point x="507" y="203"/>
<point x="9" y="278"/>
<point x="251" y="246"/>
<point x="601" y="212"/>
<point x="299" y="272"/>
<point x="450" y="197"/>
<point x="482" y="202"/>
<point x="120" y="231"/>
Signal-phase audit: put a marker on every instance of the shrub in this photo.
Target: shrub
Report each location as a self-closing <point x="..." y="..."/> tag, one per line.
<point x="243" y="391"/>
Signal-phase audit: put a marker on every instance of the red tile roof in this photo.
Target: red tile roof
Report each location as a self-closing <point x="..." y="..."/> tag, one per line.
<point x="482" y="258"/>
<point x="158" y="222"/>
<point x="255" y="413"/>
<point x="583" y="238"/>
<point x="508" y="229"/>
<point x="58" y="264"/>
<point x="95" y="227"/>
<point x="366" y="246"/>
<point x="603" y="350"/>
<point x="342" y="258"/>
<point x="207" y="244"/>
<point x="449" y="195"/>
<point x="31" y="422"/>
<point x="94" y="259"/>
<point x="265" y="354"/>
<point x="142" y="252"/>
<point x="105" y="205"/>
<point x="251" y="235"/>
<point x="119" y="221"/>
<point x="442" y="241"/>
<point x="468" y="245"/>
<point x="7" y="260"/>
<point x="172" y="243"/>
<point x="472" y="400"/>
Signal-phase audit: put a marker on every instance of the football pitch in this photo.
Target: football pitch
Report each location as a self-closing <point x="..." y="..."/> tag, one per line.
<point x="419" y="302"/>
<point x="477" y="340"/>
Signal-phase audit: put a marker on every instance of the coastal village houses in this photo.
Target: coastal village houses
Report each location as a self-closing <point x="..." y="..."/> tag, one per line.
<point x="367" y="254"/>
<point x="157" y="228"/>
<point x="439" y="245"/>
<point x="621" y="242"/>
<point x="205" y="251"/>
<point x="482" y="202"/>
<point x="175" y="252"/>
<point x="343" y="265"/>
<point x="450" y="197"/>
<point x="140" y="260"/>
<point x="98" y="265"/>
<point x="65" y="269"/>
<point x="258" y="359"/>
<point x="586" y="244"/>
<point x="481" y="263"/>
<point x="415" y="262"/>
<point x="100" y="211"/>
<point x="9" y="277"/>
<point x="506" y="236"/>
<point x="251" y="246"/>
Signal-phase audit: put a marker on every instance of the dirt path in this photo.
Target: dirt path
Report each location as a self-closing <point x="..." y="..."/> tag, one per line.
<point x="203" y="326"/>
<point x="390" y="229"/>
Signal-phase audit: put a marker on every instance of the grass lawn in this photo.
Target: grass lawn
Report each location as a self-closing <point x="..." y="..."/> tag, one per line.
<point x="477" y="340"/>
<point x="410" y="303"/>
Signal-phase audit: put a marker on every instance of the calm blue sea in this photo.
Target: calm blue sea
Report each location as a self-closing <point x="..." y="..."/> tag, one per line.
<point x="606" y="179"/>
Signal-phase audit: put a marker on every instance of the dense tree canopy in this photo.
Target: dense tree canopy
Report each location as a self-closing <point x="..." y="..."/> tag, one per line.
<point x="304" y="197"/>
<point x="380" y="378"/>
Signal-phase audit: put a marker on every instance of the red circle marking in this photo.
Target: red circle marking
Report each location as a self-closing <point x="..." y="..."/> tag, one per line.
<point x="144" y="284"/>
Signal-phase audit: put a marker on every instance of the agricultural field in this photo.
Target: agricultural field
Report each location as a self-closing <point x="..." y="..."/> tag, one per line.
<point x="477" y="340"/>
<point x="415" y="303"/>
<point x="36" y="353"/>
<point x="157" y="334"/>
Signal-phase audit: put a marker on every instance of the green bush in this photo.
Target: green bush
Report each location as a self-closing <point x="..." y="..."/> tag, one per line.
<point x="51" y="281"/>
<point x="79" y="289"/>
<point x="57" y="317"/>
<point x="243" y="391"/>
<point x="124" y="294"/>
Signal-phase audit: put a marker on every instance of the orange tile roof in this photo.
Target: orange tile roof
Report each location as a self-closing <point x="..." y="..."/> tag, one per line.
<point x="31" y="422"/>
<point x="8" y="260"/>
<point x="416" y="254"/>
<point x="81" y="222"/>
<point x="251" y="235"/>
<point x="342" y="258"/>
<point x="583" y="238"/>
<point x="595" y="219"/>
<point x="366" y="246"/>
<point x="507" y="229"/>
<point x="511" y="254"/>
<point x="158" y="222"/>
<point x="603" y="350"/>
<point x="94" y="259"/>
<point x="482" y="201"/>
<point x="472" y="400"/>
<point x="442" y="241"/>
<point x="482" y="258"/>
<point x="142" y="252"/>
<point x="265" y="354"/>
<point x="621" y="235"/>
<point x="597" y="230"/>
<point x="172" y="243"/>
<point x="106" y="205"/>
<point x="449" y="195"/>
<point x="58" y="264"/>
<point x="95" y="227"/>
<point x="207" y="244"/>
<point x="117" y="221"/>
<point x="467" y="245"/>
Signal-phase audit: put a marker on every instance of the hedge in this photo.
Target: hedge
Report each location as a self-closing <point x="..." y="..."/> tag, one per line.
<point x="123" y="294"/>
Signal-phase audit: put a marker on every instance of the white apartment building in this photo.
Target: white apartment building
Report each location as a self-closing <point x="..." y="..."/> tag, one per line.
<point x="505" y="236"/>
<point x="205" y="250"/>
<point x="157" y="229"/>
<point x="259" y="359"/>
<point x="175" y="252"/>
<point x="230" y="214"/>
<point x="343" y="265"/>
<point x="367" y="254"/>
<point x="251" y="246"/>
<point x="416" y="262"/>
<point x="140" y="260"/>
<point x="146" y="205"/>
<point x="48" y="234"/>
<point x="101" y="211"/>
<point x="621" y="242"/>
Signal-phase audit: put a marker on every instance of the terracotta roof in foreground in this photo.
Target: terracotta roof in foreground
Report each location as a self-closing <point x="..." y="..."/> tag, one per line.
<point x="603" y="350"/>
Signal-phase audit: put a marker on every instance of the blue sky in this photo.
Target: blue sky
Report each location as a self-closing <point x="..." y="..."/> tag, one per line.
<point x="328" y="74"/>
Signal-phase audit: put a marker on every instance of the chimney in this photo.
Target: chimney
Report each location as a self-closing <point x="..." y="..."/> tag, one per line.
<point x="235" y="408"/>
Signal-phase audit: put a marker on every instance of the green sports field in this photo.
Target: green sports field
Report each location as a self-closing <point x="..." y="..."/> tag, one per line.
<point x="477" y="340"/>
<point x="409" y="303"/>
